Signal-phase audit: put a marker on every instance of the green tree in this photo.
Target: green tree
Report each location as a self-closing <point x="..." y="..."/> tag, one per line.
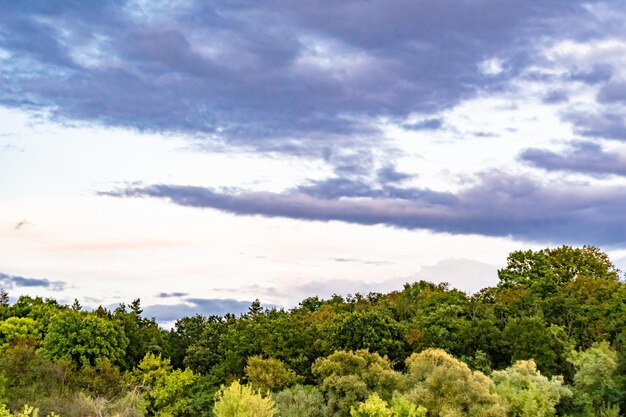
<point x="597" y="388"/>
<point x="238" y="400"/>
<point x="374" y="406"/>
<point x="347" y="378"/>
<point x="375" y="331"/>
<point x="543" y="271"/>
<point x="448" y="387"/>
<point x="531" y="338"/>
<point x="300" y="401"/>
<point x="526" y="392"/>
<point x="167" y="391"/>
<point x="84" y="339"/>
<point x="19" y="330"/>
<point x="269" y="375"/>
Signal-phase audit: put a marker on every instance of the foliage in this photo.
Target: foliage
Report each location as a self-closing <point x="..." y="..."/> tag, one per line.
<point x="347" y="378"/>
<point x="166" y="390"/>
<point x="299" y="401"/>
<point x="374" y="406"/>
<point x="597" y="387"/>
<point x="527" y="393"/>
<point x="84" y="339"/>
<point x="19" y="330"/>
<point x="239" y="400"/>
<point x="268" y="375"/>
<point x="447" y="386"/>
<point x="548" y="304"/>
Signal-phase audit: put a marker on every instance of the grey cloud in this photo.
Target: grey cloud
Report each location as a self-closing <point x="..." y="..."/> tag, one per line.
<point x="498" y="205"/>
<point x="193" y="306"/>
<point x="389" y="174"/>
<point x="583" y="157"/>
<point x="598" y="73"/>
<point x="612" y="92"/>
<point x="606" y="125"/>
<point x="12" y="281"/>
<point x="172" y="294"/>
<point x="428" y="124"/>
<point x="269" y="75"/>
<point x="555" y="97"/>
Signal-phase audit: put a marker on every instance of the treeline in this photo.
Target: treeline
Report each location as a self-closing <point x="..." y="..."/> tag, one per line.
<point x="549" y="339"/>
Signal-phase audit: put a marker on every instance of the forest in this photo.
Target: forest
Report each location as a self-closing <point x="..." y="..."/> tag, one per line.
<point x="548" y="340"/>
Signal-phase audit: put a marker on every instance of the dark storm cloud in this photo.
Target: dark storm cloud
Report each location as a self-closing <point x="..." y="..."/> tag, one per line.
<point x="270" y="75"/>
<point x="498" y="205"/>
<point x="12" y="281"/>
<point x="583" y="157"/>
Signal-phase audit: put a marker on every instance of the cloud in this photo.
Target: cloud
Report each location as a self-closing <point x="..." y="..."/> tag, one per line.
<point x="427" y="124"/>
<point x="499" y="204"/>
<point x="283" y="76"/>
<point x="582" y="157"/>
<point x="13" y="281"/>
<point x="613" y="92"/>
<point x="389" y="174"/>
<point x="464" y="274"/>
<point x="360" y="261"/>
<point x="604" y="124"/>
<point x="192" y="306"/>
<point x="172" y="294"/>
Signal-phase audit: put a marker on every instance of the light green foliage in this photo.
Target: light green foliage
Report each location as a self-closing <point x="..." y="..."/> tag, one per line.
<point x="238" y="400"/>
<point x="299" y="401"/>
<point x="448" y="387"/>
<point x="4" y="412"/>
<point x="269" y="375"/>
<point x="19" y="330"/>
<point x="83" y="338"/>
<point x="347" y="378"/>
<point x="167" y="390"/>
<point x="401" y="407"/>
<point x="596" y="382"/>
<point x="526" y="392"/>
<point x="374" y="406"/>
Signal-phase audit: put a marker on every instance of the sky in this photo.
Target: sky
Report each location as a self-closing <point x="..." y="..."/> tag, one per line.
<point x="199" y="155"/>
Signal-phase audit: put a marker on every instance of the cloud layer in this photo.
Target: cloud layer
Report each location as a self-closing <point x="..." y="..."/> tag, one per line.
<point x="498" y="205"/>
<point x="265" y="74"/>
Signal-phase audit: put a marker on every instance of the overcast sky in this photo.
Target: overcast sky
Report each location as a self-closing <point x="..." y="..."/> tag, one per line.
<point x="199" y="155"/>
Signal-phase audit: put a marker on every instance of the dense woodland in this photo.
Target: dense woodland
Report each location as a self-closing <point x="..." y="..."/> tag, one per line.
<point x="549" y="339"/>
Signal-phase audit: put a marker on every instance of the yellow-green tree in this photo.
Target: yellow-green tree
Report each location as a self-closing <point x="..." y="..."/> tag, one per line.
<point x="448" y="387"/>
<point x="238" y="400"/>
<point x="526" y="392"/>
<point x="269" y="375"/>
